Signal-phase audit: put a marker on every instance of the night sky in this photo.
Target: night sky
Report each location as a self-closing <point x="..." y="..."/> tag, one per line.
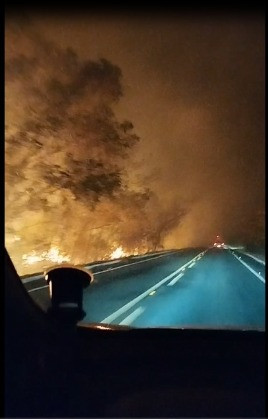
<point x="143" y="132"/>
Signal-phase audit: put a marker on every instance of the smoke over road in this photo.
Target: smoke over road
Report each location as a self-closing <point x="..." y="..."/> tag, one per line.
<point x="132" y="132"/>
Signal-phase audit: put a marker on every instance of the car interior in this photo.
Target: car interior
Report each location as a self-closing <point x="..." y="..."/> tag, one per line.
<point x="55" y="367"/>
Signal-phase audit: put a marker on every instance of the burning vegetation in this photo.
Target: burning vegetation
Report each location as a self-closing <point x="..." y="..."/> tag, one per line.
<point x="83" y="183"/>
<point x="68" y="195"/>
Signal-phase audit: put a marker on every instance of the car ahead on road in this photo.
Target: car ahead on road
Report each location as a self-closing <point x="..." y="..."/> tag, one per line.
<point x="58" y="368"/>
<point x="219" y="243"/>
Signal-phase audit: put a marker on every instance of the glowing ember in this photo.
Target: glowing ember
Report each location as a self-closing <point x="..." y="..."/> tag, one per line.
<point x="52" y="255"/>
<point x="118" y="253"/>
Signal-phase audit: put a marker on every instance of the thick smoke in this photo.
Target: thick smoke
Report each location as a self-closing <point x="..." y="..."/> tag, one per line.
<point x="67" y="180"/>
<point x="201" y="93"/>
<point x="77" y="174"/>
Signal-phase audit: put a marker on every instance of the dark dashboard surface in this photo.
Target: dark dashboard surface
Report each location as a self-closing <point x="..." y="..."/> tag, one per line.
<point x="57" y="371"/>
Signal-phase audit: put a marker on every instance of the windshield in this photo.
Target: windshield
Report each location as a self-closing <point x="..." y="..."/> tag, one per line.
<point x="134" y="147"/>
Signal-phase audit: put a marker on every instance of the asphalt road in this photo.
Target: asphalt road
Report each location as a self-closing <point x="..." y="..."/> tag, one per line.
<point x="203" y="288"/>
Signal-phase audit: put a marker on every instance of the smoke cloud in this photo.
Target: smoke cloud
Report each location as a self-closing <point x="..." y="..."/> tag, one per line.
<point x="140" y="132"/>
<point x="66" y="157"/>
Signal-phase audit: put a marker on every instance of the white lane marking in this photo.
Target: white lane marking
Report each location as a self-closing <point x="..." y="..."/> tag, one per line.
<point x="102" y="264"/>
<point x="39" y="288"/>
<point x="235" y="248"/>
<point x="254" y="257"/>
<point x="131" y="303"/>
<point x="249" y="268"/>
<point x="33" y="278"/>
<point x="151" y="254"/>
<point x="106" y="270"/>
<point x="133" y="316"/>
<point x="175" y="280"/>
<point x="192" y="264"/>
<point x="129" y="264"/>
<point x="131" y="257"/>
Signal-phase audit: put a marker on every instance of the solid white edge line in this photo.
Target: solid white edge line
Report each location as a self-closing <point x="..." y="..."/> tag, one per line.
<point x="106" y="270"/>
<point x="253" y="257"/>
<point x="113" y="262"/>
<point x="131" y="303"/>
<point x="35" y="278"/>
<point x="151" y="254"/>
<point x="132" y="257"/>
<point x="39" y="288"/>
<point x="133" y="316"/>
<point x="249" y="268"/>
<point x="175" y="280"/>
<point x="192" y="264"/>
<point x="129" y="264"/>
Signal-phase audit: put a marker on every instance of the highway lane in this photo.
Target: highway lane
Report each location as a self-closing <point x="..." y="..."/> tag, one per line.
<point x="35" y="281"/>
<point x="257" y="264"/>
<point x="217" y="292"/>
<point x="115" y="282"/>
<point x="113" y="290"/>
<point x="190" y="288"/>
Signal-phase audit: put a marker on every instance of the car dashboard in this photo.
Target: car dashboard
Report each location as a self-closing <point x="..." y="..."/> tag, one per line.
<point x="59" y="370"/>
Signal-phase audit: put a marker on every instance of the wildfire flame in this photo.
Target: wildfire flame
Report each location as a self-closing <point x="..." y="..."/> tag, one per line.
<point x="118" y="253"/>
<point x="52" y="255"/>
